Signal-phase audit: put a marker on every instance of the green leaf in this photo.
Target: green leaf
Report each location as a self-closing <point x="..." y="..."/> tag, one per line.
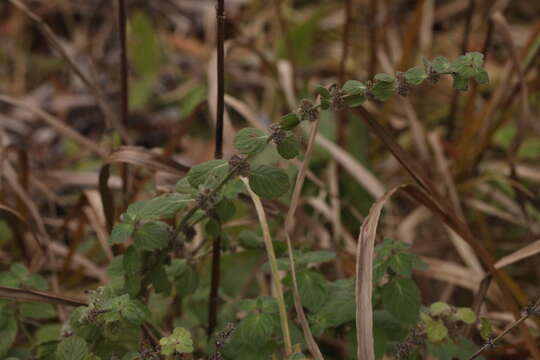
<point x="401" y="263"/>
<point x="439" y="308"/>
<point x="316" y="257"/>
<point x="256" y="329"/>
<point x="289" y="121"/>
<point x="481" y="77"/>
<point x="355" y="100"/>
<point x="250" y="140"/>
<point x="485" y="328"/>
<point x="379" y="269"/>
<point x="179" y="342"/>
<point x="321" y="90"/>
<point x="466" y="315"/>
<point x="268" y="182"/>
<point x="8" y="332"/>
<point x="133" y="264"/>
<point x="121" y="233"/>
<point x="415" y="76"/>
<point x="436" y="331"/>
<point x="384" y="87"/>
<point x="441" y="65"/>
<point x="160" y="281"/>
<point x="385" y="78"/>
<point x="461" y="83"/>
<point x="469" y="65"/>
<point x="72" y="348"/>
<point x="37" y="310"/>
<point x="325" y="103"/>
<point x="161" y="207"/>
<point x="353" y="87"/>
<point x="313" y="290"/>
<point x="123" y="308"/>
<point x="184" y="277"/>
<point x="339" y="309"/>
<point x="184" y="187"/>
<point x="152" y="236"/>
<point x="199" y="174"/>
<point x="289" y="147"/>
<point x="401" y="298"/>
<point x="225" y="210"/>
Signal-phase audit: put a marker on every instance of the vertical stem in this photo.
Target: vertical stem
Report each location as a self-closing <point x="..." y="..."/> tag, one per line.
<point x="451" y="126"/>
<point x="218" y="154"/>
<point x="124" y="87"/>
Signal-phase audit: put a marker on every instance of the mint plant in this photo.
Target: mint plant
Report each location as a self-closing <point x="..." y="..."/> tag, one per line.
<point x="156" y="273"/>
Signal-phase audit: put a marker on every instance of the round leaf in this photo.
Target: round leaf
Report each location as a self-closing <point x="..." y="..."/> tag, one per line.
<point x="250" y="140"/>
<point x="268" y="182"/>
<point x="289" y="147"/>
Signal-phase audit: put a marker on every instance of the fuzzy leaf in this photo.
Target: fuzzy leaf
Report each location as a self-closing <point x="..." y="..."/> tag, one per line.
<point x="121" y="233"/>
<point x="401" y="298"/>
<point x="466" y="315"/>
<point x="161" y="207"/>
<point x="184" y="187"/>
<point x="72" y="348"/>
<point x="321" y="90"/>
<point x="179" y="342"/>
<point x="312" y="287"/>
<point x="441" y="65"/>
<point x="353" y="87"/>
<point x="268" y="182"/>
<point x="160" y="281"/>
<point x="132" y="262"/>
<point x="289" y="147"/>
<point x="152" y="236"/>
<point x="485" y="328"/>
<point x="438" y="308"/>
<point x="436" y="331"/>
<point x="256" y="329"/>
<point x="355" y="100"/>
<point x="184" y="277"/>
<point x="199" y="174"/>
<point x="461" y="83"/>
<point x="250" y="140"/>
<point x="481" y="77"/>
<point x="384" y="87"/>
<point x="385" y="78"/>
<point x="8" y="331"/>
<point x="401" y="263"/>
<point x="415" y="76"/>
<point x="123" y="308"/>
<point x="289" y="121"/>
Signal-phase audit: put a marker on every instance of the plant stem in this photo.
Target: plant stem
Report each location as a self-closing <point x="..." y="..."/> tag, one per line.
<point x="273" y="267"/>
<point x="216" y="245"/>
<point x="124" y="86"/>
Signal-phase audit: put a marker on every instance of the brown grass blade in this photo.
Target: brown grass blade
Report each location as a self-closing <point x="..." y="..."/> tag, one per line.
<point x="364" y="279"/>
<point x="136" y="156"/>
<point x="38" y="296"/>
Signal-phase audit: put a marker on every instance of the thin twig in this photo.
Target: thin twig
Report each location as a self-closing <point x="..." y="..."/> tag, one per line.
<point x="218" y="154"/>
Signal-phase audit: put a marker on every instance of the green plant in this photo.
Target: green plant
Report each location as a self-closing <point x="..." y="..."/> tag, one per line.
<point x="158" y="269"/>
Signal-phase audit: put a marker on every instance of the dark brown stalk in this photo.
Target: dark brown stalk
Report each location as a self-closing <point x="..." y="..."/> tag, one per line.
<point x="372" y="29"/>
<point x="342" y="138"/>
<point x="451" y="121"/>
<point x="216" y="246"/>
<point x="124" y="87"/>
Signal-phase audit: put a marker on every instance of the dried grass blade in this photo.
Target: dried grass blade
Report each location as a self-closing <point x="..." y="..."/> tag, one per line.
<point x="523" y="253"/>
<point x="364" y="279"/>
<point x="38" y="296"/>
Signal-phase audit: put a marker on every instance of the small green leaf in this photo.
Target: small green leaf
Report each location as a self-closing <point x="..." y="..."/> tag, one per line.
<point x="385" y="78"/>
<point x="152" y="236"/>
<point x="72" y="348"/>
<point x="355" y="100"/>
<point x="401" y="298"/>
<point x="133" y="264"/>
<point x="415" y="76"/>
<point x="256" y="329"/>
<point x="482" y="77"/>
<point x="438" y="308"/>
<point x="436" y="331"/>
<point x="123" y="308"/>
<point x="289" y="147"/>
<point x="289" y="121"/>
<point x="321" y="90"/>
<point x="313" y="289"/>
<point x="461" y="83"/>
<point x="353" y="87"/>
<point x="268" y="182"/>
<point x="325" y="104"/>
<point x="184" y="187"/>
<point x="199" y="174"/>
<point x="161" y="207"/>
<point x="441" y="65"/>
<point x="485" y="328"/>
<point x="401" y="263"/>
<point x="160" y="281"/>
<point x="469" y="65"/>
<point x="184" y="277"/>
<point x="179" y="342"/>
<point x="250" y="140"/>
<point x="466" y="315"/>
<point x="121" y="233"/>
